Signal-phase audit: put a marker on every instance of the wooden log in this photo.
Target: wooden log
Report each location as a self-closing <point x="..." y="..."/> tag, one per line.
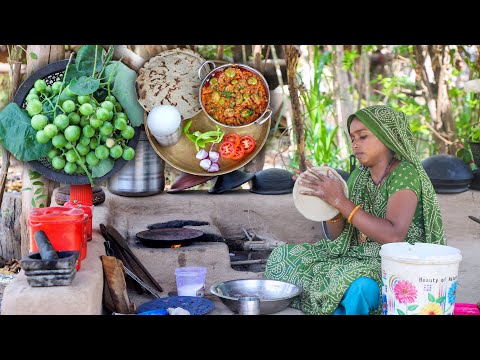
<point x="10" y="240"/>
<point x="129" y="58"/>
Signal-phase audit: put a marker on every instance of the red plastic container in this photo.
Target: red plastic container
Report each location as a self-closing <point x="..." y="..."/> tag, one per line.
<point x="81" y="196"/>
<point x="65" y="227"/>
<point x="88" y="210"/>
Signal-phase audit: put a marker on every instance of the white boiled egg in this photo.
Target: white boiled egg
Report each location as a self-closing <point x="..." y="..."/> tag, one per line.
<point x="163" y="120"/>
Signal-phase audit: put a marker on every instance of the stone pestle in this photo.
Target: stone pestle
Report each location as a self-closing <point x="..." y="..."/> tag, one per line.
<point x="45" y="248"/>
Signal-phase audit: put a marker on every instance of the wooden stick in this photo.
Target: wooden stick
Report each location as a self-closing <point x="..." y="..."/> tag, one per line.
<point x="248" y="262"/>
<point x="16" y="67"/>
<point x="118" y="238"/>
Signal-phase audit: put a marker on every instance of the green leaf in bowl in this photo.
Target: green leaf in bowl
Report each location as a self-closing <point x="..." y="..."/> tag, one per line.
<point x="18" y="136"/>
<point x="124" y="90"/>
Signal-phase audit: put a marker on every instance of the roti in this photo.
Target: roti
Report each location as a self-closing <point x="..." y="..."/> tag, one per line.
<point x="312" y="207"/>
<point x="171" y="78"/>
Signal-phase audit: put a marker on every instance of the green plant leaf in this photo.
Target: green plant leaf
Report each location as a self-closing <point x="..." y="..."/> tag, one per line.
<point x="34" y="204"/>
<point x="102" y="168"/>
<point x="27" y="189"/>
<point x="400" y="312"/>
<point x="85" y="85"/>
<point x="411" y="307"/>
<point x="41" y="197"/>
<point x="124" y="90"/>
<point x="73" y="73"/>
<point x="38" y="191"/>
<point x="33" y="55"/>
<point x="431" y="298"/>
<point x="440" y="299"/>
<point x="18" y="136"/>
<point x="85" y="59"/>
<point x="42" y="205"/>
<point x="32" y="174"/>
<point x="38" y="183"/>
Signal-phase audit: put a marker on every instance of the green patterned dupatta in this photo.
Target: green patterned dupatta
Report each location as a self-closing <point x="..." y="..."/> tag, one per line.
<point x="391" y="127"/>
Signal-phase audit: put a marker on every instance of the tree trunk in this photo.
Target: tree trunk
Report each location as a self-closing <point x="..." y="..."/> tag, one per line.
<point x="258" y="161"/>
<point x="292" y="55"/>
<point x="45" y="54"/>
<point x="343" y="98"/>
<point x="436" y="92"/>
<point x="10" y="240"/>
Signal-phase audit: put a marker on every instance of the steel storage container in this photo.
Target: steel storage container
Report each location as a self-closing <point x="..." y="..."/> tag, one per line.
<point x="144" y="175"/>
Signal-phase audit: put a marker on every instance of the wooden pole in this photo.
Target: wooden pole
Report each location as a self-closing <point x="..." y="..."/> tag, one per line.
<point x="10" y="246"/>
<point x="292" y="55"/>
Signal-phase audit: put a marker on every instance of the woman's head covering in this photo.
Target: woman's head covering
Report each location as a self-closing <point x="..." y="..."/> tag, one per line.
<point x="391" y="127"/>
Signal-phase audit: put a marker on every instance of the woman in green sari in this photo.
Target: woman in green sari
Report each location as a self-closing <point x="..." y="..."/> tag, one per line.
<point x="391" y="199"/>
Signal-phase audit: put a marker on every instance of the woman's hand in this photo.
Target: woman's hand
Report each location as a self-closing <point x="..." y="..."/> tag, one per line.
<point x="326" y="187"/>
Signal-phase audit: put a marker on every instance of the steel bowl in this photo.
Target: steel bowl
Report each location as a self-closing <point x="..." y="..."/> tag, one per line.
<point x="274" y="295"/>
<point x="267" y="113"/>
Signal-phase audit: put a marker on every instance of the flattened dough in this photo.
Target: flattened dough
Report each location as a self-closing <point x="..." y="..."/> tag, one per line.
<point x="312" y="207"/>
<point x="171" y="78"/>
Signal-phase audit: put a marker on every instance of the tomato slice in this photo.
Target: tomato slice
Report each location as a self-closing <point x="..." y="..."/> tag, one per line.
<point x="226" y="149"/>
<point x="247" y="143"/>
<point x="232" y="137"/>
<point x="239" y="152"/>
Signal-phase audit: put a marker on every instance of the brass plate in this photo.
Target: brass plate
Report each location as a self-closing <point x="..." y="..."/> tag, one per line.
<point x="182" y="155"/>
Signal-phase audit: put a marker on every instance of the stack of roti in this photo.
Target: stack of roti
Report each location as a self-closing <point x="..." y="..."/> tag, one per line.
<point x="312" y="207"/>
<point x="171" y="78"/>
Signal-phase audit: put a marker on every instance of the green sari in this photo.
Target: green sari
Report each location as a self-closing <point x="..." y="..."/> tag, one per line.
<point x="326" y="268"/>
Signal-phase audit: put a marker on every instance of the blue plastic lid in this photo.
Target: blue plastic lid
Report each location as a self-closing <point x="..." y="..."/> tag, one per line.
<point x="155" y="312"/>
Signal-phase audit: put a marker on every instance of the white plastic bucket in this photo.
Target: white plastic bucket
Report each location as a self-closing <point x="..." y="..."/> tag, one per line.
<point x="419" y="279"/>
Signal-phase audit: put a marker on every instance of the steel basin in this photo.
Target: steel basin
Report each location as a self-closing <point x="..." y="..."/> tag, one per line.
<point x="274" y="295"/>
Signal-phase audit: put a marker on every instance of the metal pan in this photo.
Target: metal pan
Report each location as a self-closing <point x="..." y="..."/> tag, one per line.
<point x="182" y="155"/>
<point x="51" y="73"/>
<point x="168" y="237"/>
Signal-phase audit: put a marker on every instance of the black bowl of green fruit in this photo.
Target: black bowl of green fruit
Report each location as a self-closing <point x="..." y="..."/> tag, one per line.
<point x="84" y="117"/>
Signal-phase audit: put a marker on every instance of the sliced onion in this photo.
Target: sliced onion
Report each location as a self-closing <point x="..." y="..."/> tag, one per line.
<point x="202" y="154"/>
<point x="205" y="164"/>
<point x="214" y="156"/>
<point x="214" y="167"/>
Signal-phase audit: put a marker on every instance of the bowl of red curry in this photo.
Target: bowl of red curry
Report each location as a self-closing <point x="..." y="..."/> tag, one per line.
<point x="234" y="95"/>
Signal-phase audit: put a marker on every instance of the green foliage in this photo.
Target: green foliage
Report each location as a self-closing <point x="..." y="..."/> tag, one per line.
<point x="349" y="59"/>
<point x="319" y="136"/>
<point x="398" y="92"/>
<point x="209" y="52"/>
<point x="38" y="189"/>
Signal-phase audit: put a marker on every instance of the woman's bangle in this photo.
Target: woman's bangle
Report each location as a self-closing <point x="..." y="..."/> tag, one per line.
<point x="353" y="213"/>
<point x="338" y="217"/>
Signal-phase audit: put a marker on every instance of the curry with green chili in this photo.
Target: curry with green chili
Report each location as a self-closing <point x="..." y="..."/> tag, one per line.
<point x="234" y="96"/>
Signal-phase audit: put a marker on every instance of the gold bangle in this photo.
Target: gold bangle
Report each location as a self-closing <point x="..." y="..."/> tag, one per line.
<point x="338" y="217"/>
<point x="353" y="213"/>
